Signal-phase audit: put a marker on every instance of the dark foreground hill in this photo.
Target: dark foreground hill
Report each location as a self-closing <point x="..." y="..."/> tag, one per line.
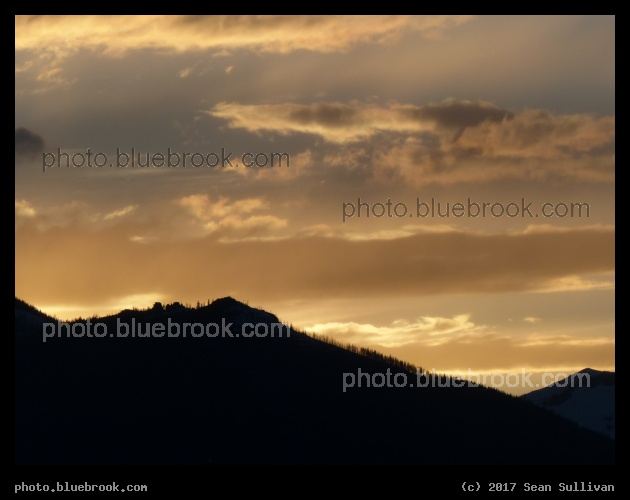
<point x="203" y="400"/>
<point x="586" y="397"/>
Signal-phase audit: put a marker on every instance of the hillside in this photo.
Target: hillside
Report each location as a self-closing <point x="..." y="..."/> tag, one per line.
<point x="212" y="400"/>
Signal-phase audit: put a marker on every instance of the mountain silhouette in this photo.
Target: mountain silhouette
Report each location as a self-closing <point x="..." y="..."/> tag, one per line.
<point x="586" y="397"/>
<point x="257" y="400"/>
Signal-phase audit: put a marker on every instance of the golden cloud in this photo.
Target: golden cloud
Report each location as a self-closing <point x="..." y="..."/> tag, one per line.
<point x="115" y="35"/>
<point x="450" y="142"/>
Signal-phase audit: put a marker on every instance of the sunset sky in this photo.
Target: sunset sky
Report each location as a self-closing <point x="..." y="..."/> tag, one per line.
<point x="492" y="109"/>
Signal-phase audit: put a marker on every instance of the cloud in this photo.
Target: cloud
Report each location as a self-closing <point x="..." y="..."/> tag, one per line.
<point x="495" y="353"/>
<point x="76" y="214"/>
<point x="456" y="115"/>
<point x="564" y="340"/>
<point x="450" y="142"/>
<point x="384" y="234"/>
<point x="23" y="208"/>
<point x="575" y="283"/>
<point x="201" y="206"/>
<point x="531" y="319"/>
<point x="191" y="216"/>
<point x="286" y="169"/>
<point x="341" y="123"/>
<point x="251" y="258"/>
<point x="20" y="68"/>
<point x="548" y="228"/>
<point x="186" y="72"/>
<point x="456" y="344"/>
<point x="542" y="134"/>
<point x="115" y="35"/>
<point x="48" y="41"/>
<point x="230" y="220"/>
<point x="27" y="144"/>
<point x="121" y="212"/>
<point x="426" y="330"/>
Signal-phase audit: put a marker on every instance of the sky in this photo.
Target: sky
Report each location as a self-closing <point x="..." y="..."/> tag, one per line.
<point x="336" y="173"/>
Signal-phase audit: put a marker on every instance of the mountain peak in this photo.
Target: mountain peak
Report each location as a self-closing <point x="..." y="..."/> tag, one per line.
<point x="586" y="397"/>
<point x="228" y="301"/>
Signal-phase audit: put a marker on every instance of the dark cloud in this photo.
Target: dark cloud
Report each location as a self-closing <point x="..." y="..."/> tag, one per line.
<point x="27" y="143"/>
<point x="459" y="115"/>
<point x="454" y="113"/>
<point x="327" y="114"/>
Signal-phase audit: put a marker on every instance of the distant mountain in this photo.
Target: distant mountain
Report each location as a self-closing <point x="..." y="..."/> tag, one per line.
<point x="257" y="399"/>
<point x="586" y="397"/>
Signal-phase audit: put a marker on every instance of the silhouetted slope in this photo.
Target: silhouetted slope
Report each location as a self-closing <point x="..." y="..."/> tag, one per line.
<point x="28" y="317"/>
<point x="259" y="400"/>
<point x="586" y="397"/>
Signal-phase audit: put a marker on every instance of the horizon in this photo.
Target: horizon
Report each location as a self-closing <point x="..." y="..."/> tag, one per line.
<point x="517" y="384"/>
